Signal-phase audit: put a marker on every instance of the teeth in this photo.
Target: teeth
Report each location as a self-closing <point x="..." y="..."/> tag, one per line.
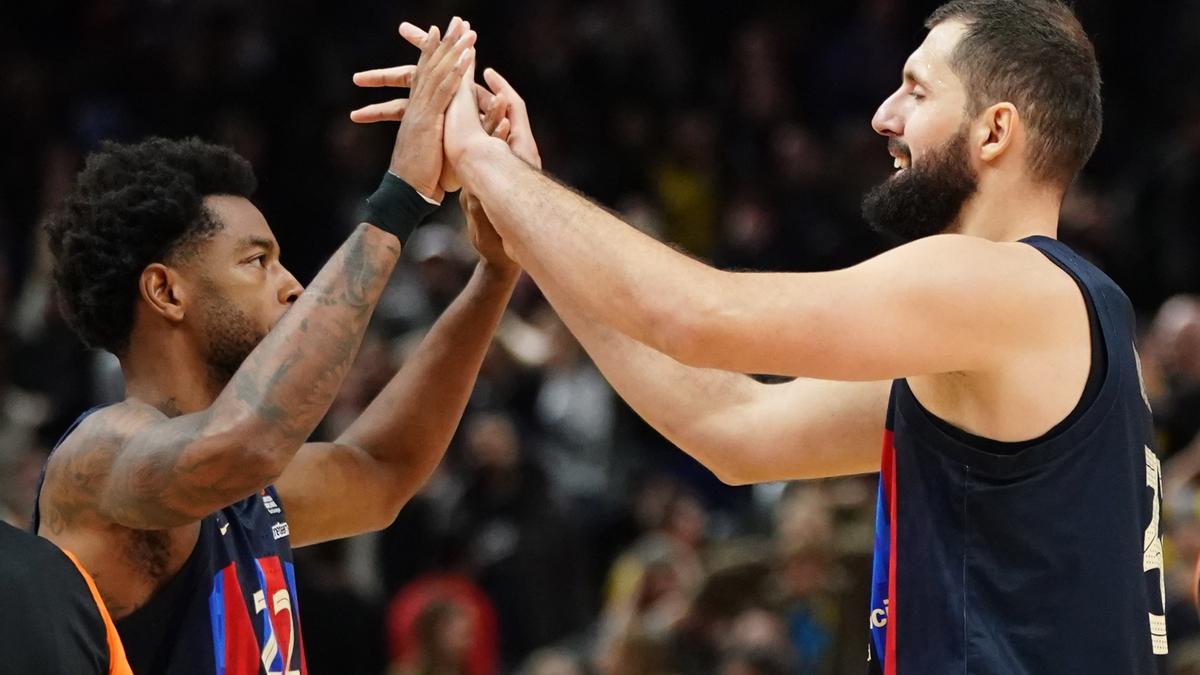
<point x="896" y="163"/>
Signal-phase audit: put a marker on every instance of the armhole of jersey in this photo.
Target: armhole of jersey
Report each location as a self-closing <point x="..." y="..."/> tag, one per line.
<point x="1011" y="458"/>
<point x="117" y="663"/>
<point x="1097" y="370"/>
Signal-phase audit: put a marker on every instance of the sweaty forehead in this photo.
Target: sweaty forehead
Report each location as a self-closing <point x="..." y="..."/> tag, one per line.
<point x="930" y="63"/>
<point x="241" y="223"/>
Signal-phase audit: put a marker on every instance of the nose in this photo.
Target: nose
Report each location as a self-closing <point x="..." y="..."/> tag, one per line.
<point x="290" y="289"/>
<point x="887" y="120"/>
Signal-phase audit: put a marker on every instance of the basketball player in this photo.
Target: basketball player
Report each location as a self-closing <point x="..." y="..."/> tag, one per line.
<point x="1019" y="495"/>
<point x="53" y="620"/>
<point x="185" y="499"/>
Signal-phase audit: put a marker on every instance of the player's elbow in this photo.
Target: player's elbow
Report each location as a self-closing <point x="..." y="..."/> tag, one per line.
<point x="387" y="513"/>
<point x="727" y="463"/>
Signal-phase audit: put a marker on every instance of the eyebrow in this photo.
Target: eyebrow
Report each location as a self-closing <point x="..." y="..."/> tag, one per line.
<point x="256" y="242"/>
<point x="910" y="75"/>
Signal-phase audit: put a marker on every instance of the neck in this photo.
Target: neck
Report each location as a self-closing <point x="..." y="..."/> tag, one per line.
<point x="1008" y="212"/>
<point x="168" y="375"/>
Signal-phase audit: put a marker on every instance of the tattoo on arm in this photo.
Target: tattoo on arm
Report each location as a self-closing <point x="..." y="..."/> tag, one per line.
<point x="152" y="468"/>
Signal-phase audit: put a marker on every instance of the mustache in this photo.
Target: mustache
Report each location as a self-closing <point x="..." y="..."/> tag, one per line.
<point x="898" y="147"/>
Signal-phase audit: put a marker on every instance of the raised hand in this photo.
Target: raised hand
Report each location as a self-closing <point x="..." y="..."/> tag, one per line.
<point x="463" y="125"/>
<point x="483" y="235"/>
<point x="417" y="156"/>
<point x="520" y="135"/>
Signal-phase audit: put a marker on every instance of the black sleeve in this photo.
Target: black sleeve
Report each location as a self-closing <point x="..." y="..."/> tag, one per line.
<point x="49" y="621"/>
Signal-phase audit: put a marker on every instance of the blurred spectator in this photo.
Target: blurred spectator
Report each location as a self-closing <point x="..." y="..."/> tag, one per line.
<point x="443" y="619"/>
<point x="529" y="559"/>
<point x="551" y="662"/>
<point x="443" y="632"/>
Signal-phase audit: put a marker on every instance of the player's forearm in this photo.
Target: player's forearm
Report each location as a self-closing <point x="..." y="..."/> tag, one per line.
<point x="409" y="425"/>
<point x="614" y="273"/>
<point x="284" y="387"/>
<point x="697" y="409"/>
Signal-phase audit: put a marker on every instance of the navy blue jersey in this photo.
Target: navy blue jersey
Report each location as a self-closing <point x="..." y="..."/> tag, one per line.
<point x="231" y="609"/>
<point x="1038" y="557"/>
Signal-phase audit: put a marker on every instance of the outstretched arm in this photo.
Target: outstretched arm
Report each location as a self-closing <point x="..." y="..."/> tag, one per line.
<point x="942" y="304"/>
<point x="740" y="429"/>
<point x="360" y="482"/>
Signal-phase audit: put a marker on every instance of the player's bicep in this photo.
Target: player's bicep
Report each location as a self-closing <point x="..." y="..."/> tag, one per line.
<point x="331" y="491"/>
<point x="943" y="304"/>
<point x="810" y="428"/>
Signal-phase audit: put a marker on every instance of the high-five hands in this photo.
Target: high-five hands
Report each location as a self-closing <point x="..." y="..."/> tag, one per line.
<point x="515" y="130"/>
<point x="497" y="111"/>
<point x="417" y="156"/>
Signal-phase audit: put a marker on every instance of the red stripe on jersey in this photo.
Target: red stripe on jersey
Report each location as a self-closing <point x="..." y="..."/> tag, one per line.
<point x="241" y="644"/>
<point x="889" y="473"/>
<point x="280" y="609"/>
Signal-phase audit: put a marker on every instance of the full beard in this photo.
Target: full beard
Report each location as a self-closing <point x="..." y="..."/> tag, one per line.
<point x="925" y="199"/>
<point x="230" y="336"/>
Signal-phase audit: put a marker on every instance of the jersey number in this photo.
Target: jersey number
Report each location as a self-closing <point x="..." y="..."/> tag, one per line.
<point x="282" y="602"/>
<point x="1152" y="553"/>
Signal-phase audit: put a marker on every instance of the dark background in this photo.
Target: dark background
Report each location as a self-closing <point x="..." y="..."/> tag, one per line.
<point x="739" y="130"/>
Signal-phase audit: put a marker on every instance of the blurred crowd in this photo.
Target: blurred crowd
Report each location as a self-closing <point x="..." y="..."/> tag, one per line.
<point x="562" y="536"/>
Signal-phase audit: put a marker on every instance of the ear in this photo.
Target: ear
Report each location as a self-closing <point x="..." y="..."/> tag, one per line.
<point x="163" y="291"/>
<point x="997" y="130"/>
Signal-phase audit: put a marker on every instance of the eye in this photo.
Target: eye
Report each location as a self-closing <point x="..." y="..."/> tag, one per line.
<point x="917" y="95"/>
<point x="260" y="260"/>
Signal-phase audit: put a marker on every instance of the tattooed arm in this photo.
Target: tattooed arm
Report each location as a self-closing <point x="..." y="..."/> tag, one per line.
<point x="148" y="471"/>
<point x="360" y="482"/>
<point x="145" y="470"/>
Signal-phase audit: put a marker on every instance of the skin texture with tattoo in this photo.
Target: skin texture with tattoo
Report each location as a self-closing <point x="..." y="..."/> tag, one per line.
<point x="231" y="365"/>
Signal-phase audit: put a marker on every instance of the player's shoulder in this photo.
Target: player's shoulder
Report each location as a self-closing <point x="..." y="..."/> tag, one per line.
<point x="1013" y="269"/>
<point x="111" y="423"/>
<point x="965" y="249"/>
<point x="98" y="436"/>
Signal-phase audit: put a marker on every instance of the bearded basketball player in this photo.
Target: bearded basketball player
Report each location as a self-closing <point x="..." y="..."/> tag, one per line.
<point x="1018" y="518"/>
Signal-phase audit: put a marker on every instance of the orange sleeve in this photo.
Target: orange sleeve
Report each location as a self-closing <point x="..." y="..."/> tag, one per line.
<point x="117" y="663"/>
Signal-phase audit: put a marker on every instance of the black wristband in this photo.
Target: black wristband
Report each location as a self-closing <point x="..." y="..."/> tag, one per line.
<point x="396" y="207"/>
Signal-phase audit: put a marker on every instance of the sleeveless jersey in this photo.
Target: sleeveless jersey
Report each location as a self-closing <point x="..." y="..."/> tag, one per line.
<point x="1037" y="557"/>
<point x="231" y="609"/>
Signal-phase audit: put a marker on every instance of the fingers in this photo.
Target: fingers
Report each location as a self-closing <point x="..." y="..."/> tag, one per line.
<point x="412" y="34"/>
<point x="483" y="97"/>
<point x="446" y="78"/>
<point x="499" y="85"/>
<point x="503" y="130"/>
<point x="494" y="111"/>
<point x="454" y="32"/>
<point x="519" y="135"/>
<point x="429" y="45"/>
<point x="390" y="111"/>
<point x="516" y="105"/>
<point x="400" y="76"/>
<point x="434" y="78"/>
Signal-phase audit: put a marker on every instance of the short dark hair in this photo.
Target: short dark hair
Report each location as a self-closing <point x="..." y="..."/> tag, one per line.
<point x="1036" y="55"/>
<point x="133" y="205"/>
